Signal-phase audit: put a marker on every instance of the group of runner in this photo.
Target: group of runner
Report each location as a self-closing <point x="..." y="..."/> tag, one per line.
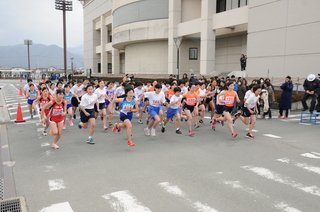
<point x="172" y="101"/>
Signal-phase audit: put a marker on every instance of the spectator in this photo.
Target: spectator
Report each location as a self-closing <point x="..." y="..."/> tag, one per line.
<point x="286" y="97"/>
<point x="311" y="86"/>
<point x="243" y="62"/>
<point x="268" y="102"/>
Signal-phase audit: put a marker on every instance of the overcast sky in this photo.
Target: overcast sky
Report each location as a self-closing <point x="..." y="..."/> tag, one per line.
<point x="39" y="21"/>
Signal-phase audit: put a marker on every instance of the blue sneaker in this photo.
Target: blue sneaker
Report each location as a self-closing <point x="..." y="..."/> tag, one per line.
<point x="31" y="116"/>
<point x="196" y="126"/>
<point x="90" y="141"/>
<point x="34" y="112"/>
<point x="79" y="125"/>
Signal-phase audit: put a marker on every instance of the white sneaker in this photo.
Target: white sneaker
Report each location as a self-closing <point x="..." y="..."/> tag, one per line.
<point x="147" y="131"/>
<point x="153" y="132"/>
<point x="44" y="133"/>
<point x="137" y="114"/>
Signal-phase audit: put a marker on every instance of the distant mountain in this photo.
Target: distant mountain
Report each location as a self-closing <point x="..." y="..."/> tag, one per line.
<point x="41" y="56"/>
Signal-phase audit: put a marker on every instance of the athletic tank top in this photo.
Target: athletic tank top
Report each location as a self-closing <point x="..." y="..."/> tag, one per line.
<point x="67" y="97"/>
<point x="110" y="94"/>
<point x="127" y="106"/>
<point x="229" y="98"/>
<point x="170" y="93"/>
<point x="151" y="88"/>
<point x="33" y="95"/>
<point x="191" y="99"/>
<point x="56" y="111"/>
<point x="43" y="102"/>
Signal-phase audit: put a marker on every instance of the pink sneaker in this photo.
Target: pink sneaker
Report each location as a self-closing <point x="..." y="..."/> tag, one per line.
<point x="71" y="123"/>
<point x="64" y="127"/>
<point x="191" y="132"/>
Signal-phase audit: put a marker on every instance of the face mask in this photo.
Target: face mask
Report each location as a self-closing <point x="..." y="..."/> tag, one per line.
<point x="239" y="83"/>
<point x="261" y="80"/>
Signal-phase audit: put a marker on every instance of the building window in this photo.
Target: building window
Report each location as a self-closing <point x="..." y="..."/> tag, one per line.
<point x="109" y="68"/>
<point x="110" y="38"/>
<point x="99" y="68"/>
<point x="193" y="54"/>
<point x="221" y="6"/>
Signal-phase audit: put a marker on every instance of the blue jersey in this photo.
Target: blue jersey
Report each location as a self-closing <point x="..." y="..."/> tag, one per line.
<point x="67" y="97"/>
<point x="33" y="95"/>
<point x="127" y="106"/>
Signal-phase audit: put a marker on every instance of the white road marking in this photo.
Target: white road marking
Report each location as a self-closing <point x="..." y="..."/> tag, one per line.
<point x="253" y="130"/>
<point x="305" y="166"/>
<point x="175" y="190"/>
<point x="310" y="155"/>
<point x="23" y="111"/>
<point x="266" y="173"/>
<point x="305" y="123"/>
<point x="271" y="136"/>
<point x="14" y="108"/>
<point x="315" y="153"/>
<point x="286" y="208"/>
<point x="45" y="144"/>
<point x="56" y="184"/>
<point x="123" y="201"/>
<point x="251" y="191"/>
<point x="63" y="207"/>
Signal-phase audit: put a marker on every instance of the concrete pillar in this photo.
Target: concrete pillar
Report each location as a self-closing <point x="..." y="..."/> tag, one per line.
<point x="208" y="37"/>
<point x="174" y="20"/>
<point x="115" y="61"/>
<point x="104" y="41"/>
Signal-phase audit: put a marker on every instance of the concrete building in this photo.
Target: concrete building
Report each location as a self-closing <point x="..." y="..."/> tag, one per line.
<point x="279" y="37"/>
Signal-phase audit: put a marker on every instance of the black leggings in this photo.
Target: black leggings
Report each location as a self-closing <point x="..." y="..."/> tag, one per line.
<point x="281" y="111"/>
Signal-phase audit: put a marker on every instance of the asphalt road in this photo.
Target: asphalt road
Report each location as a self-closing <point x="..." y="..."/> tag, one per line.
<point x="210" y="171"/>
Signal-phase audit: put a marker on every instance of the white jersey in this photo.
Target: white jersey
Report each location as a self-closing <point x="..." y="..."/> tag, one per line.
<point x="101" y="94"/>
<point x="252" y="100"/>
<point x="78" y="90"/>
<point x="164" y="88"/>
<point x="88" y="101"/>
<point x="175" y="98"/>
<point x="248" y="93"/>
<point x="184" y="90"/>
<point x="155" y="100"/>
<point x="119" y="91"/>
<point x="138" y="93"/>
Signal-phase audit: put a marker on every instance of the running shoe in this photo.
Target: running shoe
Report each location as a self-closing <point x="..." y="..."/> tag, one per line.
<point x="280" y="117"/>
<point x="233" y="121"/>
<point x="44" y="133"/>
<point x="105" y="127"/>
<point x="213" y="127"/>
<point x="140" y="122"/>
<point x="64" y="127"/>
<point x="137" y="114"/>
<point x="115" y="128"/>
<point x="178" y="132"/>
<point x="110" y="124"/>
<point x="249" y="135"/>
<point x="234" y="134"/>
<point x="285" y="117"/>
<point x="171" y="121"/>
<point x="79" y="125"/>
<point x="74" y="116"/>
<point x="196" y="126"/>
<point x="153" y="132"/>
<point x="70" y="122"/>
<point x="237" y="114"/>
<point x="101" y="117"/>
<point x="55" y="146"/>
<point x="181" y="119"/>
<point x="147" y="131"/>
<point x="90" y="141"/>
<point x="214" y="121"/>
<point x="31" y="116"/>
<point x="34" y="112"/>
<point x="163" y="129"/>
<point x="130" y="143"/>
<point x="201" y="121"/>
<point x="191" y="132"/>
<point x="222" y="123"/>
<point x="147" y="121"/>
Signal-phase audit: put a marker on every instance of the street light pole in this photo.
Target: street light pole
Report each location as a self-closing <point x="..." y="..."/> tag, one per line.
<point x="178" y="41"/>
<point x="28" y="43"/>
<point x="71" y="65"/>
<point x="64" y="6"/>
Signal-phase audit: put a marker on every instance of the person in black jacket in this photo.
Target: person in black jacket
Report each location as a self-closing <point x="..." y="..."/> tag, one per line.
<point x="311" y="86"/>
<point x="286" y="98"/>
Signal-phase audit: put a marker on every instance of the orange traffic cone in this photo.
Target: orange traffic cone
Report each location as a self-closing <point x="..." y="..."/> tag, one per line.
<point x="19" y="117"/>
<point x="20" y="92"/>
<point x="20" y="79"/>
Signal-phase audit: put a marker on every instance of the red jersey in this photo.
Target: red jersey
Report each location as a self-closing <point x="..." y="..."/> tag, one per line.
<point x="43" y="102"/>
<point x="56" y="111"/>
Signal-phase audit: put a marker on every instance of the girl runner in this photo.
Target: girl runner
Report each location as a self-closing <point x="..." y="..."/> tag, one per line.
<point x="78" y="90"/>
<point x="250" y="110"/>
<point x="68" y="95"/>
<point x="87" y="112"/>
<point x="31" y="95"/>
<point x="52" y="90"/>
<point x="190" y="106"/>
<point x="156" y="99"/>
<point x="229" y="96"/>
<point x="129" y="106"/>
<point x="138" y="93"/>
<point x="101" y="93"/>
<point x="44" y="99"/>
<point x="56" y="115"/>
<point x="111" y="94"/>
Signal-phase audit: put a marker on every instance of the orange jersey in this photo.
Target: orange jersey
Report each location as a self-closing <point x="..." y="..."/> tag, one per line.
<point x="229" y="98"/>
<point x="170" y="93"/>
<point x="151" y="88"/>
<point x="191" y="99"/>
